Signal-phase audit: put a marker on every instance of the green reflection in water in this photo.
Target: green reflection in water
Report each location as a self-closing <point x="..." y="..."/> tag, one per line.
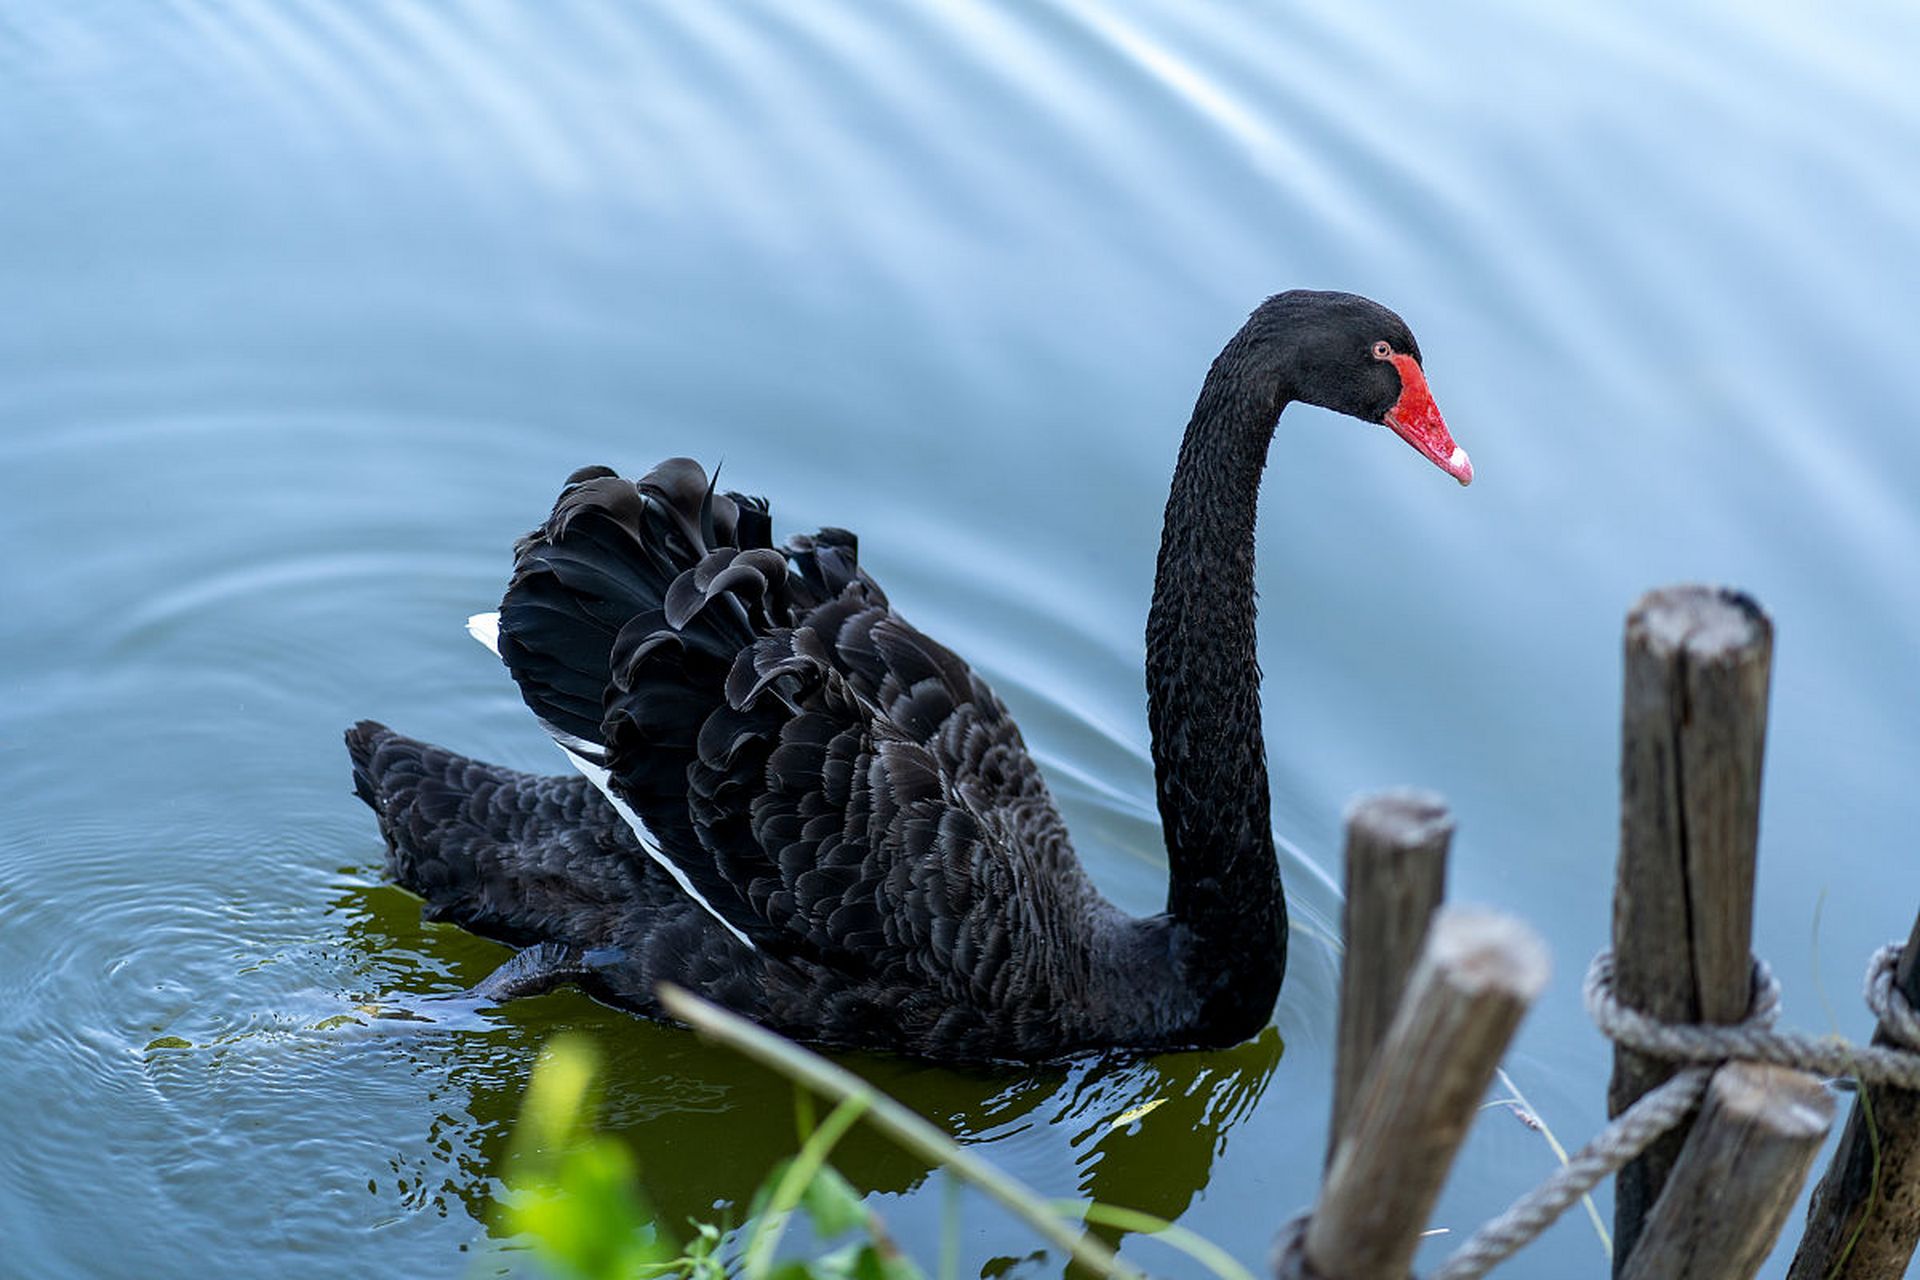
<point x="706" y="1125"/>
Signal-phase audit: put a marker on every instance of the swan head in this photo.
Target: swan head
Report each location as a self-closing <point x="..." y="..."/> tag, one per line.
<point x="1347" y="353"/>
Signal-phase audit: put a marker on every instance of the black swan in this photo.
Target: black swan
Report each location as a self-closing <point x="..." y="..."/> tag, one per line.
<point x="797" y="805"/>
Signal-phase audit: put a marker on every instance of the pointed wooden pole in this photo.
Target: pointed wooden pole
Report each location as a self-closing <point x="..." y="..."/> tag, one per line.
<point x="1476" y="978"/>
<point x="1865" y="1216"/>
<point x="1737" y="1177"/>
<point x="1693" y="735"/>
<point x="1396" y="878"/>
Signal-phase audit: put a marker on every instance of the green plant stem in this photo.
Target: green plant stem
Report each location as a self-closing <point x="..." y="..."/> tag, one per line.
<point x="1194" y="1245"/>
<point x="1560" y="1154"/>
<point x="902" y="1125"/>
<point x="794" y="1182"/>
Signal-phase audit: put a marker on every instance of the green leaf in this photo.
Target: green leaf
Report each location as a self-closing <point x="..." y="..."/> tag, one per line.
<point x="837" y="1264"/>
<point x="791" y="1185"/>
<point x="872" y="1262"/>
<point x="576" y="1196"/>
<point x="833" y="1204"/>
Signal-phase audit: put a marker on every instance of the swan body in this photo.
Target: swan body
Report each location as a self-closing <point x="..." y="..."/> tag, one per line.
<point x="791" y="801"/>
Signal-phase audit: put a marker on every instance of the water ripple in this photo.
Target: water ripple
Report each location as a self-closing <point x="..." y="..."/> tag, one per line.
<point x="311" y="306"/>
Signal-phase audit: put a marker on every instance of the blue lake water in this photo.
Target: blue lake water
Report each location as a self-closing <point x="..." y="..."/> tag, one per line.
<point x="307" y="308"/>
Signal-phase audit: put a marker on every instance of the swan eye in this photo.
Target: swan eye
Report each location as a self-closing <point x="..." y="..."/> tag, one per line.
<point x="1382" y="351"/>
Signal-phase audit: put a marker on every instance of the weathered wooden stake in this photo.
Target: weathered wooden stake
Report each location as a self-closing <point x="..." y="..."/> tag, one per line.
<point x="1396" y="878"/>
<point x="1693" y="734"/>
<point x="1475" y="979"/>
<point x="1852" y="1232"/>
<point x="1730" y="1191"/>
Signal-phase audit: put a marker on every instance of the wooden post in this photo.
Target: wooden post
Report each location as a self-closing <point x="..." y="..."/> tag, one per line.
<point x="1693" y="733"/>
<point x="1852" y="1232"/>
<point x="1475" y="979"/>
<point x="1396" y="878"/>
<point x="1736" y="1179"/>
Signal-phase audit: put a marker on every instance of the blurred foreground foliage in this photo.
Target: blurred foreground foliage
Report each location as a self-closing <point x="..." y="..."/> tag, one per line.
<point x="574" y="1197"/>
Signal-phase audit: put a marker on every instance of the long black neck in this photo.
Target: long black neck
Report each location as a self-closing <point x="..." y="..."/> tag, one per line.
<point x="1203" y="708"/>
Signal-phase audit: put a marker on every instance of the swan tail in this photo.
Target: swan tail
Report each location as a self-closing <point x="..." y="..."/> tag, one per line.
<point x="510" y="855"/>
<point x="617" y="562"/>
<point x="625" y="573"/>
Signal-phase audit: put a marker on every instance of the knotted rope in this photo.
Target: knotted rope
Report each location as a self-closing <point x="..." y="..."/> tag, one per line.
<point x="1752" y="1039"/>
<point x="1747" y="1042"/>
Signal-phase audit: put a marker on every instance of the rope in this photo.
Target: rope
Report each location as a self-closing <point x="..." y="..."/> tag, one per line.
<point x="1631" y="1132"/>
<point x="1888" y="1002"/>
<point x="1752" y="1039"/>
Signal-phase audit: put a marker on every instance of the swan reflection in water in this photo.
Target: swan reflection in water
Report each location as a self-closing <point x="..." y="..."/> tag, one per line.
<point x="1140" y="1132"/>
<point x="706" y="1125"/>
<point x="1145" y="1132"/>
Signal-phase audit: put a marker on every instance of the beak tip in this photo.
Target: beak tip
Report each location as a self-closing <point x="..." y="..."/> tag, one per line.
<point x="1460" y="466"/>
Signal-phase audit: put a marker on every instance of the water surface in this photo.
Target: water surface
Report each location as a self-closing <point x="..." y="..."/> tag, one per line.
<point x="309" y="308"/>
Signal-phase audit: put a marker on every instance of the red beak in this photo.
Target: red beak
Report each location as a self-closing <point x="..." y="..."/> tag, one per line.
<point x="1416" y="419"/>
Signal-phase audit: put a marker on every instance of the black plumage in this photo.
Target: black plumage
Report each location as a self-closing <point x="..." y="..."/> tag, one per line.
<point x="824" y="819"/>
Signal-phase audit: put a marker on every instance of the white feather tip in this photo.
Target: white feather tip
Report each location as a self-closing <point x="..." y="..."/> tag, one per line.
<point x="485" y="627"/>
